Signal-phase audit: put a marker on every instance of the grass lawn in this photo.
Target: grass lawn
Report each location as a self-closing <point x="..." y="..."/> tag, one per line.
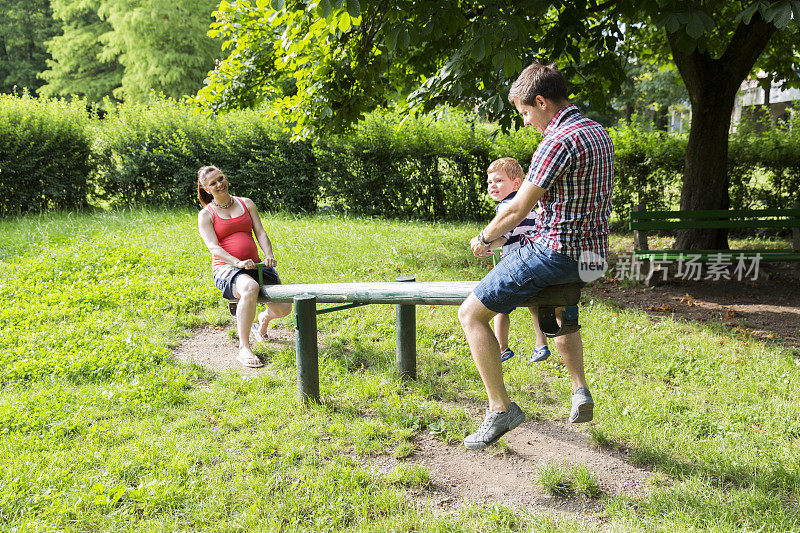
<point x="100" y="430"/>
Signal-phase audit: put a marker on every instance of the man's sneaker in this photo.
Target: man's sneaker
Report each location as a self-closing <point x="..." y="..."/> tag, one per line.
<point x="494" y="426"/>
<point x="506" y="354"/>
<point x="540" y="354"/>
<point x="582" y="406"/>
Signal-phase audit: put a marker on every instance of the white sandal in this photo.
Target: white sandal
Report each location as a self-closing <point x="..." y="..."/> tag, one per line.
<point x="255" y="362"/>
<point x="255" y="330"/>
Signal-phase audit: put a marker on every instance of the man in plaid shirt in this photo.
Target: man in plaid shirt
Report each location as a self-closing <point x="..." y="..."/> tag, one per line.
<point x="571" y="178"/>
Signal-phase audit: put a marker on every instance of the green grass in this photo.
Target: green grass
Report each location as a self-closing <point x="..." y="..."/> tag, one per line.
<point x="564" y="480"/>
<point x="100" y="430"/>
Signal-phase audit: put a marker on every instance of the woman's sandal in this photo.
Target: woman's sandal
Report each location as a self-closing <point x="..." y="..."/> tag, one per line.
<point x="255" y="330"/>
<point x="245" y="360"/>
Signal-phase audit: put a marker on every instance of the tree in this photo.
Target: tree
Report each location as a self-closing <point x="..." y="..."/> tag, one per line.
<point x="79" y="65"/>
<point x="162" y="45"/>
<point x="349" y="56"/>
<point x="26" y="26"/>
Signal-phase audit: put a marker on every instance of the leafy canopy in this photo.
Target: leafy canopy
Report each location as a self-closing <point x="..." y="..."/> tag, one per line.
<point x="346" y="57"/>
<point x="323" y="63"/>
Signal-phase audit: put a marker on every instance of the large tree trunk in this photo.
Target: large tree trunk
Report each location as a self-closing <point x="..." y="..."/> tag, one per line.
<point x="712" y="85"/>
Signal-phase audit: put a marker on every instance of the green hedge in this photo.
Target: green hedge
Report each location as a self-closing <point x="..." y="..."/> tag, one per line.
<point x="45" y="154"/>
<point x="423" y="169"/>
<point x="150" y="153"/>
<point x="431" y="168"/>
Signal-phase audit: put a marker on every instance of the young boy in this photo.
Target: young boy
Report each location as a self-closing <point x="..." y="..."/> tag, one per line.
<point x="505" y="176"/>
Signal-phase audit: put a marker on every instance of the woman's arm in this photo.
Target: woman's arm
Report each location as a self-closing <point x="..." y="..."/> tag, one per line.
<point x="261" y="234"/>
<point x="205" y="223"/>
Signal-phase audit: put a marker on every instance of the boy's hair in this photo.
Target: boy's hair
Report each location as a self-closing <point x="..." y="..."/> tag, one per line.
<point x="509" y="165"/>
<point x="537" y="79"/>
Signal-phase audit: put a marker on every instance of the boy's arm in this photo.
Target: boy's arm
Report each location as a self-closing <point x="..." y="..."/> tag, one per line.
<point x="509" y="218"/>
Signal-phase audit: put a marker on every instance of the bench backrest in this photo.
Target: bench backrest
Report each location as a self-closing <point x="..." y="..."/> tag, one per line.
<point x="719" y="218"/>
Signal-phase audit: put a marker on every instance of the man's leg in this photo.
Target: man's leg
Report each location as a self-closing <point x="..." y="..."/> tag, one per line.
<point x="571" y="349"/>
<point x="475" y="318"/>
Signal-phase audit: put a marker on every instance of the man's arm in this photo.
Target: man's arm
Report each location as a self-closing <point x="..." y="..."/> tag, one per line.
<point x="509" y="218"/>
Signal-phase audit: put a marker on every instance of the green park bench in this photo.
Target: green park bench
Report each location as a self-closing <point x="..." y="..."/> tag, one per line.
<point x="643" y="221"/>
<point x="405" y="293"/>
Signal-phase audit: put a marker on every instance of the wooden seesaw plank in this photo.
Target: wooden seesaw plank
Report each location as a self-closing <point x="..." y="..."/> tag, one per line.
<point x="406" y="293"/>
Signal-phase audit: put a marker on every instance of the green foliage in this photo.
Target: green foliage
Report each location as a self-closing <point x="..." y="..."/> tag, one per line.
<point x="561" y="479"/>
<point x="45" y="154"/>
<point x="764" y="164"/>
<point x="150" y="153"/>
<point x="422" y="168"/>
<point x="162" y="45"/>
<point x="413" y="476"/>
<point x="648" y="166"/>
<point x="27" y="25"/>
<point x="80" y="64"/>
<point x="348" y="58"/>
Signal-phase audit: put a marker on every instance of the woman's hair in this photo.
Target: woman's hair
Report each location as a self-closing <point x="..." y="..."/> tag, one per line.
<point x="203" y="195"/>
<point x="537" y="79"/>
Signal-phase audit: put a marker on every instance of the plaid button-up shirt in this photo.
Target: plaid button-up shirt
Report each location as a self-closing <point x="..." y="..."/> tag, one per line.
<point x="575" y="164"/>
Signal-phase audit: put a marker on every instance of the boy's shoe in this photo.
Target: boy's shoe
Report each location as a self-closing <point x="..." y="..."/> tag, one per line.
<point x="582" y="406"/>
<point x="540" y="354"/>
<point x="506" y="354"/>
<point x="494" y="426"/>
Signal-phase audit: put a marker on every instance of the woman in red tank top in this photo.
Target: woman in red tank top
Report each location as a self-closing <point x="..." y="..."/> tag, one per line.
<point x="227" y="225"/>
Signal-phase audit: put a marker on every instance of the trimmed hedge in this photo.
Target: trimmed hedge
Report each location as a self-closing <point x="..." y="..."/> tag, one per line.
<point x="45" y="154"/>
<point x="150" y="153"/>
<point x="432" y="168"/>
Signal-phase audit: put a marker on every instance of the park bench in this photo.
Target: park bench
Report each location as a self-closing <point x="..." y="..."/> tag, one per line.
<point x="643" y="221"/>
<point x="405" y="293"/>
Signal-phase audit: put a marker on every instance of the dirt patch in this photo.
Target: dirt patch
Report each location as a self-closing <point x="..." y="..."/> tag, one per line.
<point x="768" y="307"/>
<point x="212" y="348"/>
<point x="460" y="477"/>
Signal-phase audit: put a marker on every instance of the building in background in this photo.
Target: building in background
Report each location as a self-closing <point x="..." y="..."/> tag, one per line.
<point x="749" y="107"/>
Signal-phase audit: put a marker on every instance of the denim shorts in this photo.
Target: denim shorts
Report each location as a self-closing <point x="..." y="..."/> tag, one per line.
<point x="522" y="274"/>
<point x="225" y="278"/>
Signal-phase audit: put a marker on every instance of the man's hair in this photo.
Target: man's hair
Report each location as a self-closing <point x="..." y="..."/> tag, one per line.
<point x="509" y="165"/>
<point x="539" y="80"/>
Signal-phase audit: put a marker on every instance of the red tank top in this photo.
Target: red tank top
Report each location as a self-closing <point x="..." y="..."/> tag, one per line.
<point x="235" y="235"/>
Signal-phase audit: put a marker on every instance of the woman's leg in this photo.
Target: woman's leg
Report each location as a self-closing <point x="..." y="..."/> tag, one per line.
<point x="246" y="288"/>
<point x="274" y="310"/>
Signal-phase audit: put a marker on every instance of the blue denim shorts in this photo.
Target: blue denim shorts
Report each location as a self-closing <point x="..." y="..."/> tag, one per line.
<point x="225" y="278"/>
<point x="522" y="274"/>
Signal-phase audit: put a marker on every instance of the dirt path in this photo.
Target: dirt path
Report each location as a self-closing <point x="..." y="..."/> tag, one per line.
<point x="460" y="477"/>
<point x="768" y="308"/>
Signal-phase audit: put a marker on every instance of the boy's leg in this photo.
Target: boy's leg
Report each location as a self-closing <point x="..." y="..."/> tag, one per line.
<point x="502" y="323"/>
<point x="540" y="350"/>
<point x="541" y="338"/>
